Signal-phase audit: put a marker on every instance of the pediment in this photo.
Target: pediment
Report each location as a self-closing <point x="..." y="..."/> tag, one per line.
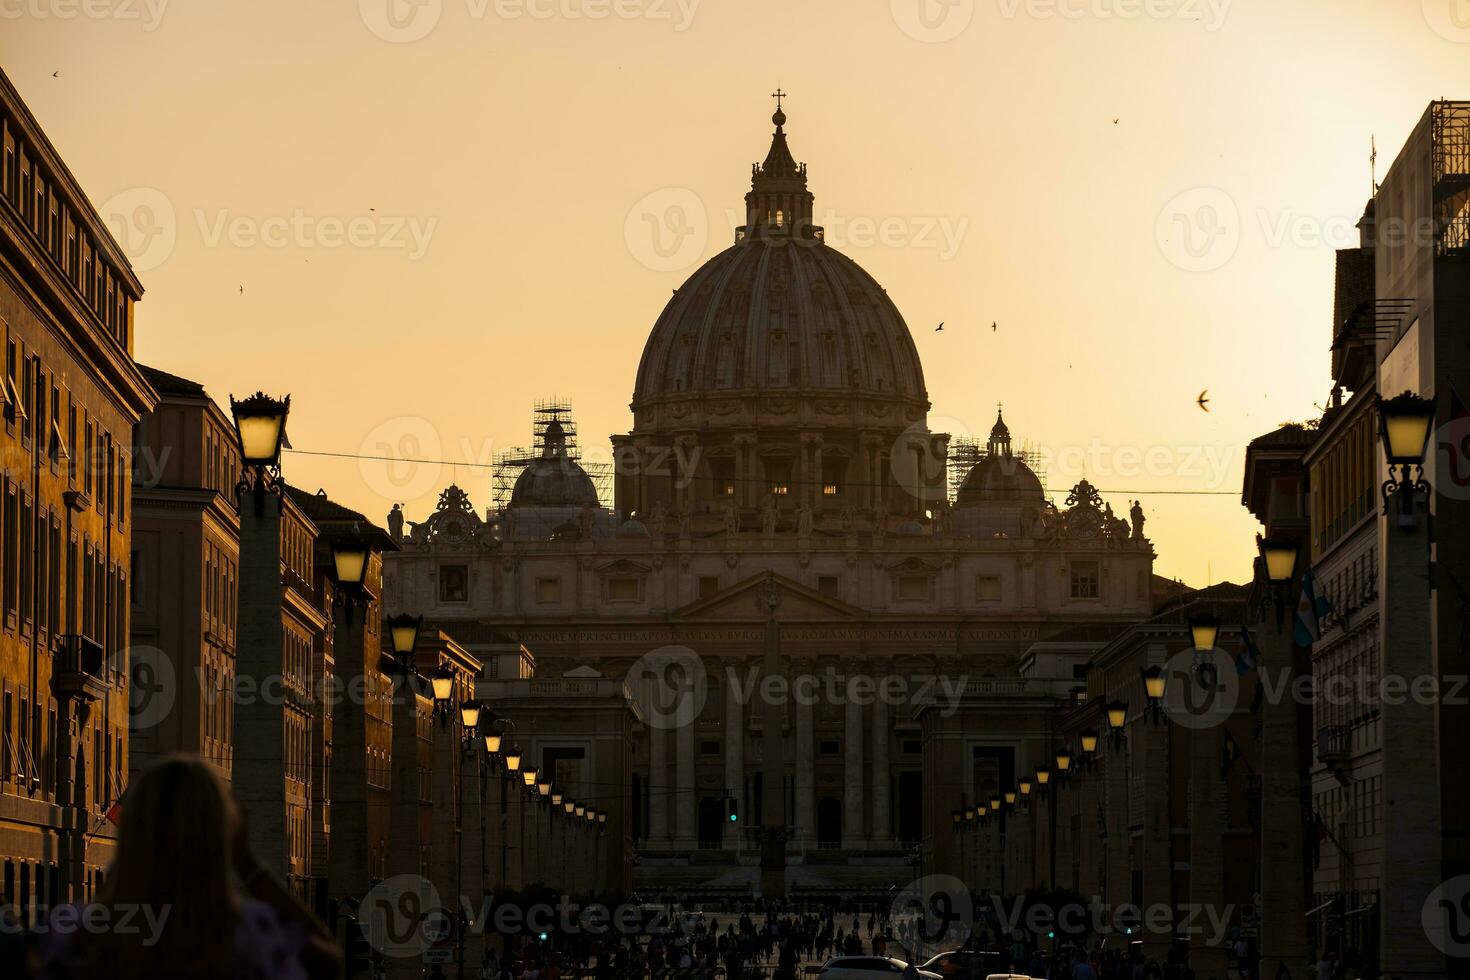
<point x="583" y="671"/>
<point x="746" y="601"/>
<point x="623" y="566"/>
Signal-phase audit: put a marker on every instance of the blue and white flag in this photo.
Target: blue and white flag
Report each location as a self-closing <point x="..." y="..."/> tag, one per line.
<point x="1249" y="658"/>
<point x="1310" y="611"/>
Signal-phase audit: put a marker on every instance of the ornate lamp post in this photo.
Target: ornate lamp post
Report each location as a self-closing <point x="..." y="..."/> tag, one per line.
<point x="1405" y="423"/>
<point x="1154" y="681"/>
<point x="260" y="428"/>
<point x="404" y="631"/>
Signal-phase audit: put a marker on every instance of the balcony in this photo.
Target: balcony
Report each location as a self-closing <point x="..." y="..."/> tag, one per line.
<point x="80" y="671"/>
<point x="1334" y="745"/>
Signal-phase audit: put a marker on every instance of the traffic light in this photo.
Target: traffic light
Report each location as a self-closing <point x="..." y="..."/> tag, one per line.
<point x="732" y="810"/>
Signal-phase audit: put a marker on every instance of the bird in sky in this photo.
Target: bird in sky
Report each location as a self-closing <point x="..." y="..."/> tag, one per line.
<point x="1203" y="401"/>
<point x="56" y="74"/>
<point x="1115" y="120"/>
<point x="242" y="290"/>
<point x="940" y="327"/>
<point x="993" y="327"/>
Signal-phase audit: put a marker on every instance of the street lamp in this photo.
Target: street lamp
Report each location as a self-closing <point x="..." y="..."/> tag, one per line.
<point x="492" y="743"/>
<point x="1154" y="680"/>
<point x="513" y="759"/>
<point x="404" y="630"/>
<point x="1010" y="798"/>
<point x="1088" y="740"/>
<point x="1117" y="713"/>
<point x="543" y="787"/>
<point x="1025" y="785"/>
<point x="1043" y="779"/>
<point x="349" y="562"/>
<point x="579" y="809"/>
<point x="260" y="428"/>
<point x="1404" y="425"/>
<point x="568" y="806"/>
<point x="1064" y="763"/>
<point x="957" y="816"/>
<point x="995" y="804"/>
<point x="1279" y="556"/>
<point x="528" y="776"/>
<point x="556" y="798"/>
<point x="1204" y="629"/>
<point x="601" y="818"/>
<point x="469" y="714"/>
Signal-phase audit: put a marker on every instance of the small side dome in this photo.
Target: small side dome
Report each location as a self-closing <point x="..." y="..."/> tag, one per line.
<point x="633" y="528"/>
<point x="1000" y="476"/>
<point x="554" y="479"/>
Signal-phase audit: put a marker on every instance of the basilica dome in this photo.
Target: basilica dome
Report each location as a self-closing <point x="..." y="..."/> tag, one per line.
<point x="779" y="317"/>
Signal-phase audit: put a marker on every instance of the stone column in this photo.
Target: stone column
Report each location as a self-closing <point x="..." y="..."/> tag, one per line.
<point x="349" y="862"/>
<point x="1118" y="888"/>
<point x="882" y="834"/>
<point x="806" y="781"/>
<point x="1085" y="842"/>
<point x="1283" y="875"/>
<point x="852" y="793"/>
<point x="734" y="755"/>
<point x="258" y="776"/>
<point x="1206" y="846"/>
<point x="1157" y="859"/>
<point x="658" y="772"/>
<point x="1412" y="820"/>
<point x="686" y="832"/>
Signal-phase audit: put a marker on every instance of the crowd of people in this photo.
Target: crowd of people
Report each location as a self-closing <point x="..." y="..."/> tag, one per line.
<point x="209" y="910"/>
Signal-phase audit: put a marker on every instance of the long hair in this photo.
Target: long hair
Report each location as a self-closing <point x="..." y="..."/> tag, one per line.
<point x="174" y="858"/>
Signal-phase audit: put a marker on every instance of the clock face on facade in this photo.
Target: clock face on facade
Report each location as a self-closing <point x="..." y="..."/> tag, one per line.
<point x="1084" y="522"/>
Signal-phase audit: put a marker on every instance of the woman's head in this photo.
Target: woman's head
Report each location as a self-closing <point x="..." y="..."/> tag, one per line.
<point x="177" y="835"/>
<point x="175" y="858"/>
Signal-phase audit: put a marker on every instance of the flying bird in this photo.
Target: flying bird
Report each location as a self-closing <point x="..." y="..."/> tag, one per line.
<point x="993" y="327"/>
<point x="940" y="327"/>
<point x="1115" y="120"/>
<point x="1203" y="401"/>
<point x="242" y="290"/>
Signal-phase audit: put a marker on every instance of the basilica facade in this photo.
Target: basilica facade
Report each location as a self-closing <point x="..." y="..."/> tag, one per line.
<point x="861" y="646"/>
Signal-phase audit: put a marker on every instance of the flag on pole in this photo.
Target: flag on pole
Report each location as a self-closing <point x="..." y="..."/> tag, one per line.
<point x="114" y="812"/>
<point x="1310" y="610"/>
<point x="1249" y="658"/>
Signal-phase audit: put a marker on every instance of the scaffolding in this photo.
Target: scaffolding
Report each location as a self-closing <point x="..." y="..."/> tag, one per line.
<point x="1451" y="137"/>
<point x="965" y="453"/>
<point x="509" y="463"/>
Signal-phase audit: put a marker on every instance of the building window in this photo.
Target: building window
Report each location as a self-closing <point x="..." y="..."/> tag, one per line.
<point x="709" y="585"/>
<point x="913" y="587"/>
<point x="987" y="588"/>
<point x="829" y="585"/>
<point x="778" y="477"/>
<point x="828" y="747"/>
<point x="454" y="583"/>
<point x="548" y="590"/>
<point x="709" y="748"/>
<point x="1085" y="580"/>
<point x="912" y="746"/>
<point x="620" y="590"/>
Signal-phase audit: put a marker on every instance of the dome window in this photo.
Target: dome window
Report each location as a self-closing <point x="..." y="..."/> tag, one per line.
<point x="780" y="218"/>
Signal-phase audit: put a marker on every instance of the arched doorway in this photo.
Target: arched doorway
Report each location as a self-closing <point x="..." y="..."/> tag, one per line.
<point x="829" y="822"/>
<point x="711" y="823"/>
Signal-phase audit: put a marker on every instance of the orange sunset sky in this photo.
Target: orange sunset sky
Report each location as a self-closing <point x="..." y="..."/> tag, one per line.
<point x="440" y="211"/>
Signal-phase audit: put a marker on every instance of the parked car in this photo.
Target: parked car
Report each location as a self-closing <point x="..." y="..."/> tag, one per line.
<point x="869" y="968"/>
<point x="956" y="962"/>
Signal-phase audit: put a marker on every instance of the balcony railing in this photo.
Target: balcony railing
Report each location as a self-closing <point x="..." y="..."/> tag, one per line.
<point x="80" y="671"/>
<point x="1334" y="744"/>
